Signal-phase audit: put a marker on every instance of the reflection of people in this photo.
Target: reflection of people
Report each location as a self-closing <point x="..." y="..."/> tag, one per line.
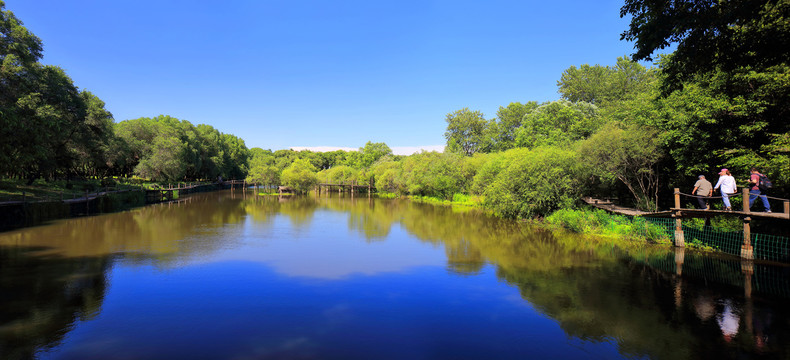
<point x="754" y="190"/>
<point x="727" y="184"/>
<point x="728" y="320"/>
<point x="702" y="187"/>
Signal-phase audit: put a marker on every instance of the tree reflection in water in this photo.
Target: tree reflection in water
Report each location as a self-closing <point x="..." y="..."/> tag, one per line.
<point x="653" y="302"/>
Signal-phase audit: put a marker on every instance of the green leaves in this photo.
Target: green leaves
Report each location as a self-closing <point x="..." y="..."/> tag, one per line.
<point x="168" y="149"/>
<point x="300" y="175"/>
<point x="710" y="35"/>
<point x="466" y="132"/>
<point x="558" y="123"/>
<point x="533" y="182"/>
<point x="629" y="154"/>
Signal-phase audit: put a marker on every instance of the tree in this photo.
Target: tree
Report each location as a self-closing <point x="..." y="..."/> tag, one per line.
<point x="166" y="161"/>
<point x="300" y="175"/>
<point x="386" y="173"/>
<point x="466" y="131"/>
<point x="709" y="34"/>
<point x="558" y="123"/>
<point x="371" y="152"/>
<point x="534" y="182"/>
<point x="432" y="174"/>
<point x="508" y="120"/>
<point x="267" y="175"/>
<point x="262" y="168"/>
<point x="52" y="116"/>
<point x="91" y="144"/>
<point x="629" y="154"/>
<point x="19" y="52"/>
<point x="603" y="85"/>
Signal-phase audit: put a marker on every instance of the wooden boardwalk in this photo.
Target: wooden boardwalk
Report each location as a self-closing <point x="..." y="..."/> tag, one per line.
<point x="682" y="212"/>
<point x="678" y="214"/>
<point x="611" y="207"/>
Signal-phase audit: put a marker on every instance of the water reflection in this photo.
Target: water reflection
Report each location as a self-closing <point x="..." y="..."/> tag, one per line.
<point x="651" y="302"/>
<point x="41" y="297"/>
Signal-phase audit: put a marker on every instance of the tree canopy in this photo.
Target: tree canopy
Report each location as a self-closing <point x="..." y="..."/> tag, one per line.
<point x="709" y="34"/>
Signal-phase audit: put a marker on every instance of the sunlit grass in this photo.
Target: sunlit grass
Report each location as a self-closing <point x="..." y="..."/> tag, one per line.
<point x="601" y="223"/>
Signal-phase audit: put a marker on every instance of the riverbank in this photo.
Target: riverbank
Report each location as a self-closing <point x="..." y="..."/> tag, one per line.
<point x="719" y="233"/>
<point x="23" y="205"/>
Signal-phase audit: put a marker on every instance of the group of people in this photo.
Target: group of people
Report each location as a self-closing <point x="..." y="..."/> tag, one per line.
<point x="726" y="185"/>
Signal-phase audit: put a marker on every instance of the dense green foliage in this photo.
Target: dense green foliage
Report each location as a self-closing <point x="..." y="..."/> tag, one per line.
<point x="166" y="148"/>
<point x="710" y="35"/>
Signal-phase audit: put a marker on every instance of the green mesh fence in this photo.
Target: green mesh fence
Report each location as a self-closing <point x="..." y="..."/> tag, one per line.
<point x="771" y="247"/>
<point x="766" y="279"/>
<point x="766" y="247"/>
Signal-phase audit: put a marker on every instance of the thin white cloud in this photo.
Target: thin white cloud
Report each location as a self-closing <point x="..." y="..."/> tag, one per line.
<point x="322" y="148"/>
<point x="397" y="150"/>
<point x="408" y="150"/>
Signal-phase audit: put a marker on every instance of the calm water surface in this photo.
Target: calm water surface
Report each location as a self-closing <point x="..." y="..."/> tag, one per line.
<point x="228" y="276"/>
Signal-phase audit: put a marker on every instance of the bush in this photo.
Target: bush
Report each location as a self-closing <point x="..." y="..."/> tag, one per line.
<point x="300" y="175"/>
<point x="534" y="182"/>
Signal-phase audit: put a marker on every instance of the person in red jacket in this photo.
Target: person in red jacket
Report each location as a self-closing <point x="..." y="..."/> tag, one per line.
<point x="754" y="190"/>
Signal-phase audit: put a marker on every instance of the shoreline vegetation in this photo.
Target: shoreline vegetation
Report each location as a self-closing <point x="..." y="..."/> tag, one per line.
<point x="625" y="131"/>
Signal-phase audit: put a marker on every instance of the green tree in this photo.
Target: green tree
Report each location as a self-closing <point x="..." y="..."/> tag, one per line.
<point x="603" y="85"/>
<point x="53" y="115"/>
<point x="629" y="154"/>
<point x="558" y="123"/>
<point x="371" y="152"/>
<point x="91" y="143"/>
<point x="300" y="175"/>
<point x="386" y="174"/>
<point x="534" y="182"/>
<point x="19" y="52"/>
<point x="432" y="174"/>
<point x="466" y="132"/>
<point x="262" y="169"/>
<point x="166" y="162"/>
<point x="508" y="120"/>
<point x="724" y="35"/>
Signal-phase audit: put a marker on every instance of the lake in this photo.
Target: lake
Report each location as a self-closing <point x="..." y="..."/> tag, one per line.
<point x="230" y="275"/>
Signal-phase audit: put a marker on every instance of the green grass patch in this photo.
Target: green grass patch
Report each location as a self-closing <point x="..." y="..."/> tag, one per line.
<point x="599" y="222"/>
<point x="387" y="195"/>
<point x="458" y="200"/>
<point x="273" y="194"/>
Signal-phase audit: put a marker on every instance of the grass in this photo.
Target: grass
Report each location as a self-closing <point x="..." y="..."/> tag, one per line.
<point x="273" y="194"/>
<point x="458" y="200"/>
<point x="601" y="223"/>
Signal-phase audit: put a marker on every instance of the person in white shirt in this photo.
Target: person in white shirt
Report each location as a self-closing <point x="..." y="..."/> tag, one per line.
<point x="728" y="187"/>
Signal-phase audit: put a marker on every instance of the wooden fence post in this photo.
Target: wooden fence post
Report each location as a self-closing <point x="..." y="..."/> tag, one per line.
<point x="746" y="207"/>
<point x="680" y="238"/>
<point x="747" y="251"/>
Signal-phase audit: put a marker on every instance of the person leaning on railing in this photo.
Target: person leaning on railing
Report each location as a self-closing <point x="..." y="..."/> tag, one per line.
<point x="727" y="184"/>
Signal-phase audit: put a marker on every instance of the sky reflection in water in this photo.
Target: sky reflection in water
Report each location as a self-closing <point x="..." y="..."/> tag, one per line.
<point x="231" y="277"/>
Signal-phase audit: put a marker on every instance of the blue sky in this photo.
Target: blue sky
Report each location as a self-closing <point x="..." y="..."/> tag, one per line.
<point x="293" y="73"/>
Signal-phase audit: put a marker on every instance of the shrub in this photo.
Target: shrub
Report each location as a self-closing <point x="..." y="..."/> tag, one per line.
<point x="534" y="182"/>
